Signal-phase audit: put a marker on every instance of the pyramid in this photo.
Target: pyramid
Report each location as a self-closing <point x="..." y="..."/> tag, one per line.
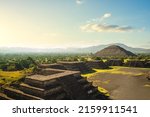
<point x="114" y="51"/>
<point x="52" y="84"/>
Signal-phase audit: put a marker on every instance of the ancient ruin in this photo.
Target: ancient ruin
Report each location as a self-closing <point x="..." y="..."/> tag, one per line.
<point x="76" y="66"/>
<point x="114" y="51"/>
<point x="97" y="64"/>
<point x="114" y="62"/>
<point x="136" y="63"/>
<point x="147" y="64"/>
<point x="54" y="66"/>
<point x="52" y="84"/>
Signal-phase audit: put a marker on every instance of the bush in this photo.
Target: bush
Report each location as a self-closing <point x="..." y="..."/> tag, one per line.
<point x="3" y="67"/>
<point x="19" y="66"/>
<point x="11" y="68"/>
<point x="25" y="63"/>
<point x="98" y="58"/>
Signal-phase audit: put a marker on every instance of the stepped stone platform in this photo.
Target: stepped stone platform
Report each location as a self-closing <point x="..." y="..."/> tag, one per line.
<point x="4" y="97"/>
<point x="96" y="64"/>
<point x="135" y="64"/>
<point x="54" y="66"/>
<point x="76" y="66"/>
<point x="52" y="84"/>
<point x="114" y="62"/>
<point x="147" y="64"/>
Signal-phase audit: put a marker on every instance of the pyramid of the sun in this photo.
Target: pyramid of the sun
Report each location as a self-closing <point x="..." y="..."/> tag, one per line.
<point x="114" y="51"/>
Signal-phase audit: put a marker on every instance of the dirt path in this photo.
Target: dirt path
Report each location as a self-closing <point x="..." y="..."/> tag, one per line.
<point x="132" y="86"/>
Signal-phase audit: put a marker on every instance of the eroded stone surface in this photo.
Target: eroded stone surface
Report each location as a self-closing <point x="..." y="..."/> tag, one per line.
<point x="54" y="84"/>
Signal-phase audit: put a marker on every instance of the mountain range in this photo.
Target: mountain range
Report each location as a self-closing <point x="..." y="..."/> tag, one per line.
<point x="91" y="49"/>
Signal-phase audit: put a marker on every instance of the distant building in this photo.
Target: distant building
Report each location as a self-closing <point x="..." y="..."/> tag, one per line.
<point x="114" y="51"/>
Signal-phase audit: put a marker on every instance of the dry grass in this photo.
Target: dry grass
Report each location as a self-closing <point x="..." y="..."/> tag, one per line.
<point x="104" y="60"/>
<point x="118" y="70"/>
<point x="115" y="70"/>
<point x="7" y="77"/>
<point x="104" y="91"/>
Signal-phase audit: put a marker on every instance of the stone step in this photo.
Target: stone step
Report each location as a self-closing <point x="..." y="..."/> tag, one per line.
<point x="72" y="68"/>
<point x="88" y="86"/>
<point x="4" y="97"/>
<point x="39" y="91"/>
<point x="45" y="81"/>
<point x="36" y="83"/>
<point x="82" y="81"/>
<point x="19" y="95"/>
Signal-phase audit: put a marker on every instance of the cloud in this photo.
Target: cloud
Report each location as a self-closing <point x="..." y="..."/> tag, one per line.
<point x="105" y="28"/>
<point x="100" y="19"/>
<point x="105" y="16"/>
<point x="79" y="1"/>
<point x="96" y="25"/>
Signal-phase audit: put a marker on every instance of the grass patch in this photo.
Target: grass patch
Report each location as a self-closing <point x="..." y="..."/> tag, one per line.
<point x="114" y="70"/>
<point x="126" y="60"/>
<point x="104" y="60"/>
<point x="117" y="70"/>
<point x="7" y="77"/>
<point x="88" y="75"/>
<point x="103" y="91"/>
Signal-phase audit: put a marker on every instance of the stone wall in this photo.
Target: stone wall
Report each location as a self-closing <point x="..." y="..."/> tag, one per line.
<point x="114" y="62"/>
<point x="76" y="66"/>
<point x="54" y="66"/>
<point x="135" y="64"/>
<point x="97" y="64"/>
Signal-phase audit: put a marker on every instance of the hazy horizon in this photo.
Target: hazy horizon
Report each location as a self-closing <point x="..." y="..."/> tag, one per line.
<point x="76" y="47"/>
<point x="74" y="23"/>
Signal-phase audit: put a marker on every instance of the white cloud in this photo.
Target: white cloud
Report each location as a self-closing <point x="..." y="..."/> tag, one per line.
<point x="107" y="15"/>
<point x="105" y="28"/>
<point x="79" y="1"/>
<point x="96" y="25"/>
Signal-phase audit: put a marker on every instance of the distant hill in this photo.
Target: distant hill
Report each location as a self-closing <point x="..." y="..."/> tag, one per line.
<point x="94" y="49"/>
<point x="91" y="49"/>
<point x="114" y="50"/>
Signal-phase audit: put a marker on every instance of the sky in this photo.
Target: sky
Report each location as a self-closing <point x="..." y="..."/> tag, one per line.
<point x="74" y="23"/>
